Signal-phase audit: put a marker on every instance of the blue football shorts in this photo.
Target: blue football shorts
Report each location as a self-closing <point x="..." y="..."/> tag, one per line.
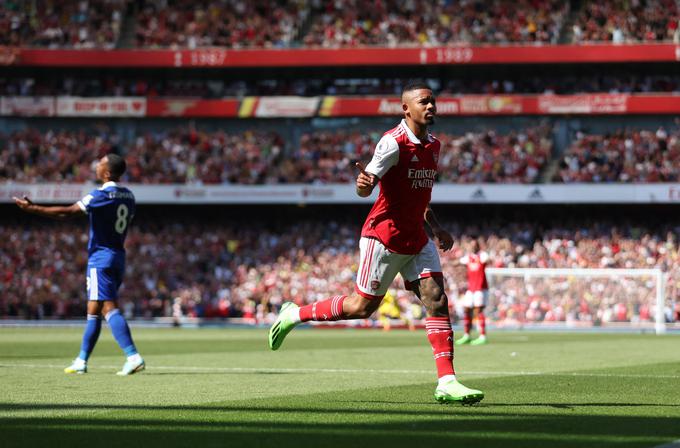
<point x="103" y="283"/>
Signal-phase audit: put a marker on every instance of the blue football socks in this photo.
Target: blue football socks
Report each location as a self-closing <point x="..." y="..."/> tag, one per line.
<point x="90" y="336"/>
<point x="121" y="332"/>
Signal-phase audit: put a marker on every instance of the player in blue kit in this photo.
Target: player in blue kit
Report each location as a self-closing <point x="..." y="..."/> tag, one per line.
<point x="110" y="210"/>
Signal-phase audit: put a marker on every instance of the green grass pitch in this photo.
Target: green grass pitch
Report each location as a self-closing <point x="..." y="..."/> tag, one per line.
<point x="343" y="388"/>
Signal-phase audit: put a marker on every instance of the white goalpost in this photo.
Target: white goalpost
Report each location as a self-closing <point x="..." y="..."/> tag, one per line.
<point x="605" y="296"/>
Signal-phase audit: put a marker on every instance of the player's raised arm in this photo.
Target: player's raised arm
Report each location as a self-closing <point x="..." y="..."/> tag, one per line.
<point x="366" y="182"/>
<point x="385" y="156"/>
<point x="50" y="211"/>
<point x="443" y="237"/>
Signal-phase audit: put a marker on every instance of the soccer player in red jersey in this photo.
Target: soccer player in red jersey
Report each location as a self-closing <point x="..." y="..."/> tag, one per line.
<point x="477" y="294"/>
<point x="393" y="240"/>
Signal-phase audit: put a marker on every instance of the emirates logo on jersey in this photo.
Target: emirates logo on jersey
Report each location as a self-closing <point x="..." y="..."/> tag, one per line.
<point x="422" y="178"/>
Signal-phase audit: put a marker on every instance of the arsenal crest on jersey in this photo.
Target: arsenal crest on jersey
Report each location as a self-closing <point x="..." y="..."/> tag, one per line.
<point x="435" y="156"/>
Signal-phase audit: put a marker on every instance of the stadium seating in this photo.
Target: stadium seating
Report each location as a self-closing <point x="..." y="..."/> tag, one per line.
<point x="188" y="155"/>
<point x="393" y="23"/>
<point x="62" y="23"/>
<point x="625" y="22"/>
<point x="232" y="23"/>
<point x="181" y="155"/>
<point x="220" y="270"/>
<point x="622" y="156"/>
<point x="349" y="23"/>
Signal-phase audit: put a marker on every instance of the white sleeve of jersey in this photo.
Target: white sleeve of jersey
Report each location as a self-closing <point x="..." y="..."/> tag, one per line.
<point x="84" y="202"/>
<point x="385" y="156"/>
<point x="483" y="257"/>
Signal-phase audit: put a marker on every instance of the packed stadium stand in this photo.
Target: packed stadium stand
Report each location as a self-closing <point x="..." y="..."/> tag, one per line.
<point x="62" y="23"/>
<point x="241" y="123"/>
<point x="347" y="23"/>
<point x="620" y="21"/>
<point x="186" y="155"/>
<point x="622" y="156"/>
<point x="227" y="268"/>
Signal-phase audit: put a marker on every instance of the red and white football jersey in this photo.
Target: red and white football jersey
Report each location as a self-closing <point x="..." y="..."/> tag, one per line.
<point x="476" y="270"/>
<point x="407" y="169"/>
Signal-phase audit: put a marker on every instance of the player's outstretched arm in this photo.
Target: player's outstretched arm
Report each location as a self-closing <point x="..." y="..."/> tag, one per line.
<point x="365" y="181"/>
<point x="53" y="211"/>
<point x="443" y="237"/>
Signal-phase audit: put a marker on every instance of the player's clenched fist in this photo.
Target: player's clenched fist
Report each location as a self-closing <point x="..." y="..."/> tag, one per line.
<point x="444" y="238"/>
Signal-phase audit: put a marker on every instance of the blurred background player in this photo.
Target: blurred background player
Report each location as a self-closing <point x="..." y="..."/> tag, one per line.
<point x="393" y="240"/>
<point x="110" y="209"/>
<point x="388" y="310"/>
<point x="477" y="294"/>
<point x="392" y="308"/>
<point x="396" y="306"/>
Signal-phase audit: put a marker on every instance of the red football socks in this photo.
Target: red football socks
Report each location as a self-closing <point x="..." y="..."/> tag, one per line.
<point x="440" y="334"/>
<point x="324" y="310"/>
<point x="481" y="323"/>
<point x="467" y="320"/>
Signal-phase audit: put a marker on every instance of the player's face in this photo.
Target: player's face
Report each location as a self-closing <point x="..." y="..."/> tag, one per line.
<point x="102" y="167"/>
<point x="421" y="106"/>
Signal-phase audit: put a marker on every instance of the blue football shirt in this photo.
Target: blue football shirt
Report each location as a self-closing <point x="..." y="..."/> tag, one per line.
<point x="110" y="210"/>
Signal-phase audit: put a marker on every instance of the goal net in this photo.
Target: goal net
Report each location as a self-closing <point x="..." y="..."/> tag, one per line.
<point x="632" y="298"/>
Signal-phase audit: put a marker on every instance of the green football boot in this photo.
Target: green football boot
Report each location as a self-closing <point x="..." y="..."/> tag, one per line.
<point x="480" y="341"/>
<point x="464" y="340"/>
<point x="284" y="323"/>
<point x="455" y="392"/>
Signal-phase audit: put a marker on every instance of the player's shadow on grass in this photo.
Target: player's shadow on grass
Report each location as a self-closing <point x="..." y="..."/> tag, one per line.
<point x="249" y="424"/>
<point x="438" y="409"/>
<point x="581" y="405"/>
<point x="487" y="404"/>
<point x="283" y="409"/>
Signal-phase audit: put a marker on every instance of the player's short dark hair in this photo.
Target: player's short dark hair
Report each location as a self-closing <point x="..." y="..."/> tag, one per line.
<point x="415" y="84"/>
<point x="117" y="165"/>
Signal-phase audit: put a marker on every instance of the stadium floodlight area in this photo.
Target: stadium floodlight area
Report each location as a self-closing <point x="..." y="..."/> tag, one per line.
<point x="577" y="297"/>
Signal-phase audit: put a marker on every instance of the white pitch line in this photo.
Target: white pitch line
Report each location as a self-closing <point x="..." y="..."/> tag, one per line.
<point x="180" y="369"/>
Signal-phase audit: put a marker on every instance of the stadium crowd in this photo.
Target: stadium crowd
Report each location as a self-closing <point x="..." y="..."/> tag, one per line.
<point x="479" y="157"/>
<point x="263" y="24"/>
<point x="182" y="155"/>
<point x="219" y="23"/>
<point x="82" y="24"/>
<point x="397" y="23"/>
<point x="189" y="156"/>
<point x="622" y="156"/>
<point x="621" y="21"/>
<point x="220" y="269"/>
<point x="329" y="23"/>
